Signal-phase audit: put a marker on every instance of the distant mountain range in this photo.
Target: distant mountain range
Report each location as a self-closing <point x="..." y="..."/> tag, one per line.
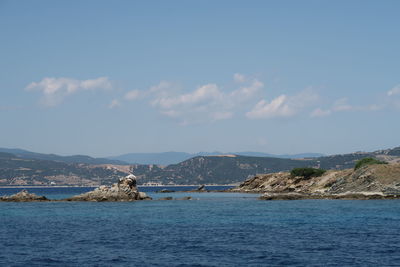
<point x="25" y="154"/>
<point x="167" y="158"/>
<point x="21" y="167"/>
<point x="162" y="158"/>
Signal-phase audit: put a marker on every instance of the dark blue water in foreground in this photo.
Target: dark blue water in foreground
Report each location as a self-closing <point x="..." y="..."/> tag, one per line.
<point x="214" y="229"/>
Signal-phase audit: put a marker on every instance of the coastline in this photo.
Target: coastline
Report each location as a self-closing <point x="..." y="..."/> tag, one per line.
<point x="85" y="186"/>
<point x="48" y="186"/>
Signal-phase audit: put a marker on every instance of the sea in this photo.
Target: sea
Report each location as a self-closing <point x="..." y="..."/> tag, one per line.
<point x="212" y="229"/>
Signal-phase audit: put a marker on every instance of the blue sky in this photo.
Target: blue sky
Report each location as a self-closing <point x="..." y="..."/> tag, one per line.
<point x="111" y="77"/>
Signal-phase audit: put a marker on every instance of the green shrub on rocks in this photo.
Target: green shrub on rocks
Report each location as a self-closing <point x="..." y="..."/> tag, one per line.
<point x="367" y="161"/>
<point x="307" y="172"/>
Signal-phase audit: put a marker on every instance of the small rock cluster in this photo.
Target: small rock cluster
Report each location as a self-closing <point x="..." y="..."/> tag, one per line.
<point x="23" y="196"/>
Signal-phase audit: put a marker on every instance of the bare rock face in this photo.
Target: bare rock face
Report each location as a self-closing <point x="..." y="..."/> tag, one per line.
<point x="124" y="190"/>
<point x="383" y="178"/>
<point x="23" y="196"/>
<point x="380" y="181"/>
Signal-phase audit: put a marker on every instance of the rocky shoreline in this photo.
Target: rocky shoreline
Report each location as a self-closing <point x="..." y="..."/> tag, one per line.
<point x="368" y="182"/>
<point x="346" y="196"/>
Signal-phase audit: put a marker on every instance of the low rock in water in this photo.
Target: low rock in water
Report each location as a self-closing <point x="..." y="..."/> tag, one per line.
<point x="23" y="196"/>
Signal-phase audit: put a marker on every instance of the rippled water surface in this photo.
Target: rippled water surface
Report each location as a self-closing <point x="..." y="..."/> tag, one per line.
<point x="213" y="229"/>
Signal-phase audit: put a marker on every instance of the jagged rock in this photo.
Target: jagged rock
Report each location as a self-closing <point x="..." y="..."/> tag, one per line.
<point x="201" y="188"/>
<point x="185" y="198"/>
<point x="124" y="190"/>
<point x="165" y="191"/>
<point x="23" y="196"/>
<point x="166" y="198"/>
<point x="171" y="198"/>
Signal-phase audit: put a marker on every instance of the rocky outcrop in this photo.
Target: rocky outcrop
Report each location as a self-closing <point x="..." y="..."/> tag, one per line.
<point x="368" y="182"/>
<point x="349" y="196"/>
<point x="124" y="190"/>
<point x="165" y="191"/>
<point x="171" y="198"/>
<point x="166" y="198"/>
<point x="201" y="188"/>
<point x="384" y="178"/>
<point x="23" y="196"/>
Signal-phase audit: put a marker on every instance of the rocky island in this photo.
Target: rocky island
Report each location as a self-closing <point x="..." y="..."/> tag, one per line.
<point x="376" y="181"/>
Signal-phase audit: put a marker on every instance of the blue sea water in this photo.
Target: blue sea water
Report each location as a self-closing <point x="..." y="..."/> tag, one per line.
<point x="213" y="229"/>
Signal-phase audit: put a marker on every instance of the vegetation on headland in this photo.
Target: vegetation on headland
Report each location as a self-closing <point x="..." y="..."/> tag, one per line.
<point x="375" y="181"/>
<point x="307" y="172"/>
<point x="367" y="161"/>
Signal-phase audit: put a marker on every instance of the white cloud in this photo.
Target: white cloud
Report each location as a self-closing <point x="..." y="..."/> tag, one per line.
<point x="239" y="78"/>
<point x="132" y="95"/>
<point x="205" y="93"/>
<point x="394" y="91"/>
<point x="163" y="85"/>
<point x="303" y="99"/>
<point x="114" y="104"/>
<point x="54" y="90"/>
<point x="318" y="112"/>
<point x="278" y="107"/>
<point x="341" y="105"/>
<point x="283" y="105"/>
<point x="248" y="91"/>
<point x="208" y="102"/>
<point x="99" y="83"/>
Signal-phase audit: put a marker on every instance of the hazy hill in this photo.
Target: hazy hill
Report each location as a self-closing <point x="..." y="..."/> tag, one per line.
<point x="233" y="169"/>
<point x="217" y="169"/>
<point x="167" y="158"/>
<point x="25" y="154"/>
<point x="163" y="158"/>
<point x="23" y="171"/>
